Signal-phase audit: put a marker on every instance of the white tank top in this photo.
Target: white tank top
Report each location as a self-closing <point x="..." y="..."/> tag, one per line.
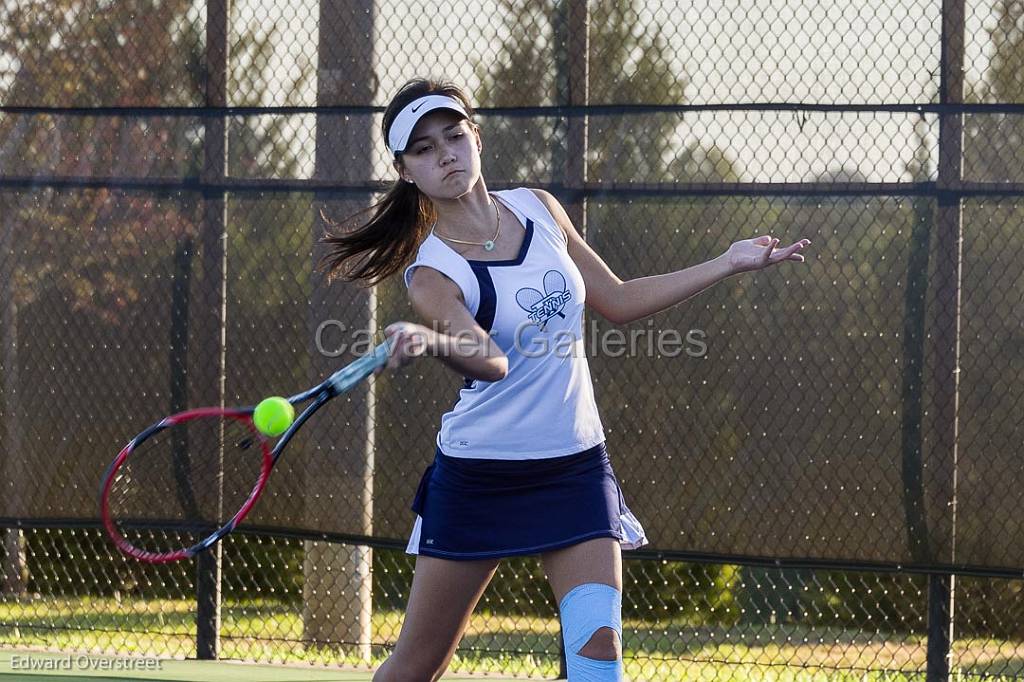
<point x="532" y="306"/>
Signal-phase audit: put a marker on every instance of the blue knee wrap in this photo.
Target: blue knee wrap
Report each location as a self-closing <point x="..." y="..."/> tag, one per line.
<point x="586" y="609"/>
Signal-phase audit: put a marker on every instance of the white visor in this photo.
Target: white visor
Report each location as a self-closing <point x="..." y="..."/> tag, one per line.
<point x="401" y="128"/>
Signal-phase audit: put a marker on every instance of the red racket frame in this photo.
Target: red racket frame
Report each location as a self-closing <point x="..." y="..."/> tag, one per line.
<point x="267" y="464"/>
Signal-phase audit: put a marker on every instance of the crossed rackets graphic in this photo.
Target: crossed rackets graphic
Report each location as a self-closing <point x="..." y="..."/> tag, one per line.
<point x="543" y="306"/>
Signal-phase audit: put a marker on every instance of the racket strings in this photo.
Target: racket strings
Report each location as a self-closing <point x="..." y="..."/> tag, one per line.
<point x="184" y="482"/>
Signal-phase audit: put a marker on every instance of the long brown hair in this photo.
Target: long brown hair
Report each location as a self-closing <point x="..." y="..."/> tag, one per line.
<point x="386" y="242"/>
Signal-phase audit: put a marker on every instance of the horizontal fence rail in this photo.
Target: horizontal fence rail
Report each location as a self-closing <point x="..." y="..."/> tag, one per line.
<point x="827" y="468"/>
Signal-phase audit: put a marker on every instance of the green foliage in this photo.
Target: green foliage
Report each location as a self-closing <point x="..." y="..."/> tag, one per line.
<point x="93" y="252"/>
<point x="135" y="53"/>
<point x="629" y="63"/>
<point x="1005" y="76"/>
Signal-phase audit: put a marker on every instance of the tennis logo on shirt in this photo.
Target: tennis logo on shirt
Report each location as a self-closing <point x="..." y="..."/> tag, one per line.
<point x="542" y="307"/>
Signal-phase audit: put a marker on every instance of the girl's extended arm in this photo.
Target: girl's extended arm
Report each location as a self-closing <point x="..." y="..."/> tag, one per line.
<point x="622" y="302"/>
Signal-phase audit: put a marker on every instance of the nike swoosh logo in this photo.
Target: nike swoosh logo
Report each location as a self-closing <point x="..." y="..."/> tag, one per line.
<point x="417" y="107"/>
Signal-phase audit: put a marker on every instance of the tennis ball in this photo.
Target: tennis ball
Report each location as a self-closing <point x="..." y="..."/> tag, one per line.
<point x="273" y="416"/>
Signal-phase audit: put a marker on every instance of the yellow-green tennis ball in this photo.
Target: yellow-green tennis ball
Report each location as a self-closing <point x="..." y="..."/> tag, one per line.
<point x="273" y="416"/>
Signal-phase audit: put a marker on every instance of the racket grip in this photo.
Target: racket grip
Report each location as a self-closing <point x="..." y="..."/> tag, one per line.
<point x="354" y="372"/>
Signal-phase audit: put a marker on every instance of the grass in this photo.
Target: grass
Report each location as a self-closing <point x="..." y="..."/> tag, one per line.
<point x="269" y="631"/>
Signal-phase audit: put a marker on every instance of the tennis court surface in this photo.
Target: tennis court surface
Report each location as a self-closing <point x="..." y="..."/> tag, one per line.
<point x="39" y="666"/>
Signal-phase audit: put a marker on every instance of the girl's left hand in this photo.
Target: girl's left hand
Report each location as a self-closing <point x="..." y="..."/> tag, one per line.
<point x="760" y="252"/>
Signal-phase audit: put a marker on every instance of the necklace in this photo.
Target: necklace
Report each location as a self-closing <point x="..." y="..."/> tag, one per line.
<point x="489" y="244"/>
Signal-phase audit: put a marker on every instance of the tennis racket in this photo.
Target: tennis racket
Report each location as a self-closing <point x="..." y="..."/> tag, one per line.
<point x="188" y="480"/>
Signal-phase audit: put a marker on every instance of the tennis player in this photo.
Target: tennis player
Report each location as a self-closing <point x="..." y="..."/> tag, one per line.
<point x="500" y="280"/>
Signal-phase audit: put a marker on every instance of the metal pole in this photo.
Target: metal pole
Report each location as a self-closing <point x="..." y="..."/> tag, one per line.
<point x="338" y="578"/>
<point x="578" y="58"/>
<point x="947" y="336"/>
<point x="940" y="627"/>
<point x="572" y="30"/>
<point x="212" y="327"/>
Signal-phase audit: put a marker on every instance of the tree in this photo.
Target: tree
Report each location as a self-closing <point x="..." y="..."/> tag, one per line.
<point x="90" y="271"/>
<point x="992" y="289"/>
<point x="992" y="362"/>
<point x="51" y="42"/>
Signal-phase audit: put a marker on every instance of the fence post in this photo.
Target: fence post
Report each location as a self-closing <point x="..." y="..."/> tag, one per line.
<point x="572" y="31"/>
<point x="573" y="78"/>
<point x="337" y="602"/>
<point x="940" y="626"/>
<point x="212" y="327"/>
<point x="946" y="351"/>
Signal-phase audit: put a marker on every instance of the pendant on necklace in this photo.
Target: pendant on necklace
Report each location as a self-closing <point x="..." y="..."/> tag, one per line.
<point x="489" y="245"/>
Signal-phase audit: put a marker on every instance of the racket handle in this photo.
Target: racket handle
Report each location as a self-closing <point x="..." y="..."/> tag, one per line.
<point x="351" y="374"/>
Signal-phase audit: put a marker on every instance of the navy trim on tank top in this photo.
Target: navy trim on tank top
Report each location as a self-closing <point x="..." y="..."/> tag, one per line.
<point x="488" y="298"/>
<point x="523" y="248"/>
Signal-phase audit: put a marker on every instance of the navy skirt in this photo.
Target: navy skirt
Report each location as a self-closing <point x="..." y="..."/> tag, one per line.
<point x="487" y="508"/>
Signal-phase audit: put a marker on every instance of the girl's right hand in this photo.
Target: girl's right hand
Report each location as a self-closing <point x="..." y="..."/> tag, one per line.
<point x="407" y="340"/>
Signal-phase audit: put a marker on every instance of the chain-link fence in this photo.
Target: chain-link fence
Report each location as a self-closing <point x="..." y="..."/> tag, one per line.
<point x="823" y="449"/>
